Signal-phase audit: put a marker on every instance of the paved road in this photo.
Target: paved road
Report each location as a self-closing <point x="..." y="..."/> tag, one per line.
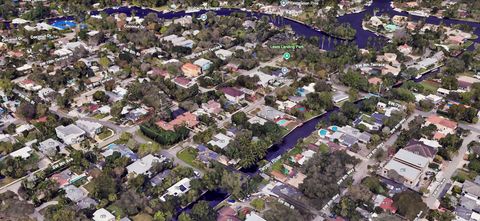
<point x="449" y="170"/>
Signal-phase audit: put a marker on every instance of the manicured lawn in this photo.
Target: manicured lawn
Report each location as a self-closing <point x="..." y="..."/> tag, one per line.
<point x="187" y="155"/>
<point x="107" y="133"/>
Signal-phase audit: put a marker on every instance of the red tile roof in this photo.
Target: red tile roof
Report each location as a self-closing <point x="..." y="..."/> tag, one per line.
<point x="187" y="118"/>
<point x="387" y="205"/>
<point x="437" y="120"/>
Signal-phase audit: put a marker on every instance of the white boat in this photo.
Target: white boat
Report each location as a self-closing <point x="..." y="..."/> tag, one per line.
<point x="192" y="10"/>
<point x="419" y="13"/>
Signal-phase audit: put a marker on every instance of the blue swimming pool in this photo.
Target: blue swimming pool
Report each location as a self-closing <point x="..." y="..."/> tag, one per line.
<point x="322" y="132"/>
<point x="64" y="24"/>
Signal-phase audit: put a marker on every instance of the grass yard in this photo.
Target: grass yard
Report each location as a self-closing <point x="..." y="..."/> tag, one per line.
<point x="106" y="133"/>
<point x="89" y="187"/>
<point x="430" y="86"/>
<point x="188" y="155"/>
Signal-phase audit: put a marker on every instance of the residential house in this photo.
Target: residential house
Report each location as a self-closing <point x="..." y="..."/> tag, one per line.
<point x="158" y="179"/>
<point x="444" y="125"/>
<point x="404" y="49"/>
<point x="178" y="189"/>
<point x="385" y="203"/>
<point x="257" y="120"/>
<point x="70" y="134"/>
<point x="303" y="157"/>
<point x="183" y="82"/>
<point x="212" y="107"/>
<point x="44" y="93"/>
<point x="220" y="140"/>
<point x="232" y="94"/>
<point x="91" y="128"/>
<point x="29" y="85"/>
<point x="265" y="79"/>
<point x="86" y="202"/>
<point x="227" y="213"/>
<point x="223" y="54"/>
<point x="120" y="148"/>
<point x="419" y="148"/>
<point x="203" y="63"/>
<point x="339" y="97"/>
<point x="465" y="82"/>
<point x="375" y="21"/>
<point x="74" y="193"/>
<point x="50" y="147"/>
<point x="23" y="153"/>
<point x="190" y="70"/>
<point x="103" y="215"/>
<point x="271" y="113"/>
<point x="144" y="165"/>
<point x="408" y="166"/>
<point x="252" y="216"/>
<point x="63" y="178"/>
<point x="23" y="128"/>
<point x="188" y="119"/>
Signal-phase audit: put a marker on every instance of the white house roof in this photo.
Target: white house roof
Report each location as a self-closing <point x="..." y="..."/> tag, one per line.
<point x="220" y="140"/>
<point x="252" y="216"/>
<point x="201" y="62"/>
<point x="24" y="153"/>
<point x="70" y="130"/>
<point x="407" y="164"/>
<point x="88" y="125"/>
<point x="178" y="189"/>
<point x="103" y="215"/>
<point x="49" y="143"/>
<point x="143" y="165"/>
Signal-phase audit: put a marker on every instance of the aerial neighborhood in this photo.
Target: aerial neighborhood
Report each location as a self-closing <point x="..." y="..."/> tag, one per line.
<point x="239" y="110"/>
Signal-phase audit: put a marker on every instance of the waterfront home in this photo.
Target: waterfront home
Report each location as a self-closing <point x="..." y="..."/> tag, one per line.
<point x="178" y="41"/>
<point x="339" y="97"/>
<point x="375" y="21"/>
<point x="271" y="113"/>
<point x="178" y="189"/>
<point x="70" y="134"/>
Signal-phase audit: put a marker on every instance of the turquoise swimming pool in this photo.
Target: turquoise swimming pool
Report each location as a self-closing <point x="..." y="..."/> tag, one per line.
<point x="322" y="132"/>
<point x="282" y="122"/>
